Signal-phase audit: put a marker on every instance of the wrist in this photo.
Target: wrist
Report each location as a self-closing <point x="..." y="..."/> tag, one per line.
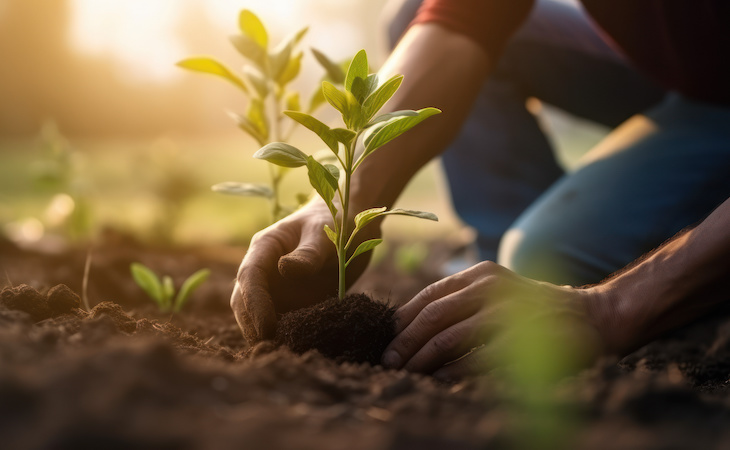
<point x="609" y="311"/>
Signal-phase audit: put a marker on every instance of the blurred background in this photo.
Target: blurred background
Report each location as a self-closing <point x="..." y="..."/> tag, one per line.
<point x="99" y="128"/>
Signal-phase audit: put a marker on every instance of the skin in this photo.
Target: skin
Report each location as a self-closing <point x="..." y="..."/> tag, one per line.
<point x="292" y="264"/>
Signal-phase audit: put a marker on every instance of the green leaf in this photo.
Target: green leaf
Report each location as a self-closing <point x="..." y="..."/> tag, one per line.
<point x="385" y="132"/>
<point x="364" y="247"/>
<point x="365" y="217"/>
<point x="282" y="154"/>
<point x="252" y="27"/>
<point x="358" y="69"/>
<point x="334" y="71"/>
<point x="251" y="50"/>
<point x="257" y="80"/>
<point x="335" y="97"/>
<point x="388" y="116"/>
<point x="243" y="189"/>
<point x="377" y="99"/>
<point x="189" y="286"/>
<point x="412" y="213"/>
<point x="284" y="68"/>
<point x="257" y="117"/>
<point x="211" y="66"/>
<point x="361" y="89"/>
<point x="148" y="281"/>
<point x="323" y="182"/>
<point x="292" y="101"/>
<point x="344" y="102"/>
<point x="168" y="290"/>
<point x="330" y="234"/>
<point x="334" y="170"/>
<point x="343" y="135"/>
<point x="291" y="70"/>
<point x="319" y="128"/>
<point x="249" y="127"/>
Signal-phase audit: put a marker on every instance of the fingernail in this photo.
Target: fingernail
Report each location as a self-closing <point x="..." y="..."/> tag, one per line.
<point x="391" y="360"/>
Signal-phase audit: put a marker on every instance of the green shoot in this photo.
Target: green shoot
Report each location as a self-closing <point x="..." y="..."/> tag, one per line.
<point x="265" y="81"/>
<point x="363" y="96"/>
<point x="162" y="291"/>
<point x="60" y="171"/>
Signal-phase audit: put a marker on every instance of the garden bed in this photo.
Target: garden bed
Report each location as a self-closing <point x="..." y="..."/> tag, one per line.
<point x="124" y="376"/>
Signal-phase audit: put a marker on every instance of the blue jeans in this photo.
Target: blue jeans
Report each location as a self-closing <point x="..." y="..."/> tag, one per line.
<point x="664" y="169"/>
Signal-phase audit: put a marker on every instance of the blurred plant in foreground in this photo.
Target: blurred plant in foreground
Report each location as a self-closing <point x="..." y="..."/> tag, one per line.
<point x="541" y="347"/>
<point x="265" y="81"/>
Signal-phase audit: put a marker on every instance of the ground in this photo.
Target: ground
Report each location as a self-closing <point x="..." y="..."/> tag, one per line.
<point x="122" y="375"/>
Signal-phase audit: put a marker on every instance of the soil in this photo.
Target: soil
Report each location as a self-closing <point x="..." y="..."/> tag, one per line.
<point x="355" y="329"/>
<point x="124" y="376"/>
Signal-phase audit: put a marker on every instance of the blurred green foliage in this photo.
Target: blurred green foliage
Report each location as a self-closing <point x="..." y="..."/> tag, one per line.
<point x="264" y="81"/>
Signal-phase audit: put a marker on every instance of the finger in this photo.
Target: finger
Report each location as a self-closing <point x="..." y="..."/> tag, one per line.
<point x="251" y="300"/>
<point x="307" y="258"/>
<point x="440" y="289"/>
<point x="476" y="362"/>
<point x="431" y="320"/>
<point x="246" y="321"/>
<point x="448" y="345"/>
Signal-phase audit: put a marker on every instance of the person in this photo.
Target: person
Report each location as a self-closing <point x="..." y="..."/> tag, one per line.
<point x="649" y="204"/>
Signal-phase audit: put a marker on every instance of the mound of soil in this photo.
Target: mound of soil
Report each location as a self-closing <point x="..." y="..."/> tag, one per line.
<point x="355" y="329"/>
<point x="125" y="376"/>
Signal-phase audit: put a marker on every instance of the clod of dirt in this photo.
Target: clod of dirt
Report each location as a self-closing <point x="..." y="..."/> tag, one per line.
<point x="62" y="300"/>
<point x="25" y="298"/>
<point x="121" y="320"/>
<point x="354" y="329"/>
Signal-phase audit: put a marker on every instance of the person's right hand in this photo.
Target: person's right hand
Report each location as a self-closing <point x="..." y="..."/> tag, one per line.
<point x="289" y="265"/>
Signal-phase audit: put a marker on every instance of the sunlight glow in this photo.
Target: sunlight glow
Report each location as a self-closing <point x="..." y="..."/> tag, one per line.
<point x="146" y="37"/>
<point x="139" y="34"/>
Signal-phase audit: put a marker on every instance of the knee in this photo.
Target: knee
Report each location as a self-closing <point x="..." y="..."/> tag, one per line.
<point x="544" y="256"/>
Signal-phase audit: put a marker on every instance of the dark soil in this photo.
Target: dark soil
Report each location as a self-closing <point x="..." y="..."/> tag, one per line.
<point x="355" y="329"/>
<point x="124" y="376"/>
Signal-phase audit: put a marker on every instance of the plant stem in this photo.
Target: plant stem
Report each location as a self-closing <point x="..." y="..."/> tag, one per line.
<point x="275" y="203"/>
<point x="343" y="236"/>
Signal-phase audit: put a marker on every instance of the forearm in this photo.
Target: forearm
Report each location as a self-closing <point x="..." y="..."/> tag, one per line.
<point x="442" y="69"/>
<point x="680" y="281"/>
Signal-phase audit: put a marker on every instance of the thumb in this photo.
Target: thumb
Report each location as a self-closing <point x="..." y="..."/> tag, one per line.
<point x="307" y="259"/>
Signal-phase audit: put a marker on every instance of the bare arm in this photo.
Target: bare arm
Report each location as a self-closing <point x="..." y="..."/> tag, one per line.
<point x="442" y="69"/>
<point x="680" y="281"/>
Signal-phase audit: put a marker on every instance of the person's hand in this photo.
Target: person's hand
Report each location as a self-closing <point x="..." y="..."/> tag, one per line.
<point x="289" y="265"/>
<point x="476" y="308"/>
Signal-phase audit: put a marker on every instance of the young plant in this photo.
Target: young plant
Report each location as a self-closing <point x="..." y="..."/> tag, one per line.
<point x="163" y="291"/>
<point x="265" y="81"/>
<point x="363" y="96"/>
<point x="60" y="170"/>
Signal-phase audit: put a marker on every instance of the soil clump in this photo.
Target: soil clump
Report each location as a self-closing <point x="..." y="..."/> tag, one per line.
<point x="354" y="329"/>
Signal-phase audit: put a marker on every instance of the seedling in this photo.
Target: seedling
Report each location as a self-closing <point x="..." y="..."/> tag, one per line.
<point x="163" y="291"/>
<point x="60" y="171"/>
<point x="265" y="80"/>
<point x="363" y="96"/>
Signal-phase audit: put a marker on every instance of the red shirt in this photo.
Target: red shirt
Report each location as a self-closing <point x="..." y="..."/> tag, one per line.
<point x="683" y="44"/>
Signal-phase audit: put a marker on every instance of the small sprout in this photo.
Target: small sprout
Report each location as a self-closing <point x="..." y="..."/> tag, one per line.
<point x="363" y="96"/>
<point x="163" y="291"/>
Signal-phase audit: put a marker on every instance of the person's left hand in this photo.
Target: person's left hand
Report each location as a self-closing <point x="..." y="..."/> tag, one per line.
<point x="466" y="310"/>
